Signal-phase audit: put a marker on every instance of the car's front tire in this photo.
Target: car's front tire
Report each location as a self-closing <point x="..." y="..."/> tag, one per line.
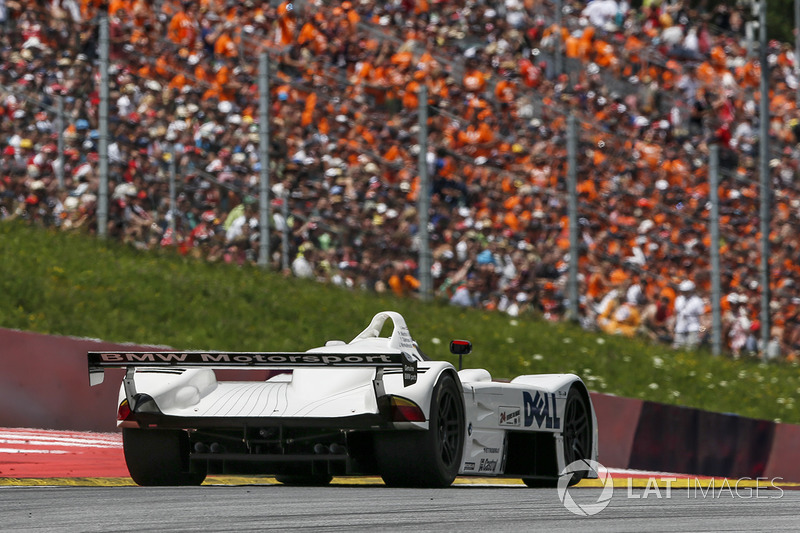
<point x="160" y="457"/>
<point x="577" y="437"/>
<point x="426" y="458"/>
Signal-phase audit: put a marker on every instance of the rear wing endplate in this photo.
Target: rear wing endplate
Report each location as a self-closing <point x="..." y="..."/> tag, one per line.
<point x="99" y="361"/>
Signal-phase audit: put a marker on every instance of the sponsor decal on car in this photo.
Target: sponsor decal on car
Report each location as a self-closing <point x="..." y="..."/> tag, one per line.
<point x="509" y="416"/>
<point x="469" y="467"/>
<point x="405" y="338"/>
<point x="98" y="361"/>
<point x="541" y="409"/>
<point x="487" y="465"/>
<point x="192" y="358"/>
<point x="409" y="370"/>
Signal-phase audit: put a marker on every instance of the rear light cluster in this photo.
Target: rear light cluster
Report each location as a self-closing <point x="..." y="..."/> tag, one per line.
<point x="404" y="410"/>
<point x="124" y="410"/>
<point x="142" y="403"/>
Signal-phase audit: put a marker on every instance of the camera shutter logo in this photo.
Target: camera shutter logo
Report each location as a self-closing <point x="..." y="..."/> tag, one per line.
<point x="603" y="476"/>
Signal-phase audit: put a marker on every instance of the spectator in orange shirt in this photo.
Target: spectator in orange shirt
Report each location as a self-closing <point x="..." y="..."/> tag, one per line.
<point x="286" y="24"/>
<point x="474" y="80"/>
<point x="184" y="29"/>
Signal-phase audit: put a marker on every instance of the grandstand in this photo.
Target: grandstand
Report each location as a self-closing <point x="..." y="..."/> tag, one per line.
<point x="651" y="88"/>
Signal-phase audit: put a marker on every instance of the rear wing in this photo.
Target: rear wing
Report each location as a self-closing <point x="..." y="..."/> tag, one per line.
<point x="99" y="361"/>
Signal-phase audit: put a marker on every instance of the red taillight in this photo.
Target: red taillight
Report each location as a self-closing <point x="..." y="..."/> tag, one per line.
<point x="124" y="410"/>
<point x="404" y="410"/>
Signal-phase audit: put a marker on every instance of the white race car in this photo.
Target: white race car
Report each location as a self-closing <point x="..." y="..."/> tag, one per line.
<point x="373" y="406"/>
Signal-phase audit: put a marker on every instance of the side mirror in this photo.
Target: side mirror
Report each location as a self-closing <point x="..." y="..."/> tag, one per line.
<point x="460" y="348"/>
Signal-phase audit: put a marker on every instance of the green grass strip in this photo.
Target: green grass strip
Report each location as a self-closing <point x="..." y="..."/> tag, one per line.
<point x="72" y="284"/>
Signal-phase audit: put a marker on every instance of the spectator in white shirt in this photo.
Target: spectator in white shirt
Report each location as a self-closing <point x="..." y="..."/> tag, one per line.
<point x="689" y="308"/>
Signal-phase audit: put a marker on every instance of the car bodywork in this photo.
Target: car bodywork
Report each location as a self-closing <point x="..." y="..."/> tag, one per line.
<point x="373" y="406"/>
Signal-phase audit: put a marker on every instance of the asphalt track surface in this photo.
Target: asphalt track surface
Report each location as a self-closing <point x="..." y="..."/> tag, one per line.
<point x="268" y="507"/>
<point x="72" y="481"/>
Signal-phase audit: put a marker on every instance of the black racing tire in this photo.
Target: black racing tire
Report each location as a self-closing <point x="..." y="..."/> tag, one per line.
<point x="310" y="480"/>
<point x="577" y="437"/>
<point x="426" y="459"/>
<point x="160" y="457"/>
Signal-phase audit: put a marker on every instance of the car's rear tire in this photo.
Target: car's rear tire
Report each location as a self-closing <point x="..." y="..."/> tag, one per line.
<point x="160" y="457"/>
<point x="426" y="458"/>
<point x="577" y="439"/>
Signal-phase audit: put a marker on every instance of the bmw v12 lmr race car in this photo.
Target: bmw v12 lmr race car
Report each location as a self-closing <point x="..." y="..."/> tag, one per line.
<point x="373" y="406"/>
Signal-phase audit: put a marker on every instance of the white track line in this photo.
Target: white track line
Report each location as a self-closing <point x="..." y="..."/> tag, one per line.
<point x="61" y="443"/>
<point x="28" y="450"/>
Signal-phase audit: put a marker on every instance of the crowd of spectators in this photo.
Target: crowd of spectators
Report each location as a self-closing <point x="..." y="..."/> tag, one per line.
<point x="653" y="87"/>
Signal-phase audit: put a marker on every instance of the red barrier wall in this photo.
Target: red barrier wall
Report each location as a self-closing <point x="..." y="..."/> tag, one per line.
<point x="44" y="383"/>
<point x="616" y="421"/>
<point x="783" y="458"/>
<point x="700" y="442"/>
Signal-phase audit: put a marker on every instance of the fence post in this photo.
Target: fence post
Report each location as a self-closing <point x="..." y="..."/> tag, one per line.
<point x="102" y="193"/>
<point x="572" y="208"/>
<point x="764" y="181"/>
<point x="716" y="313"/>
<point x="424" y="200"/>
<point x="797" y="46"/>
<point x="263" y="133"/>
<point x="557" y="52"/>
<point x="285" y="233"/>
<point x="173" y="211"/>
<point x="60" y="127"/>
